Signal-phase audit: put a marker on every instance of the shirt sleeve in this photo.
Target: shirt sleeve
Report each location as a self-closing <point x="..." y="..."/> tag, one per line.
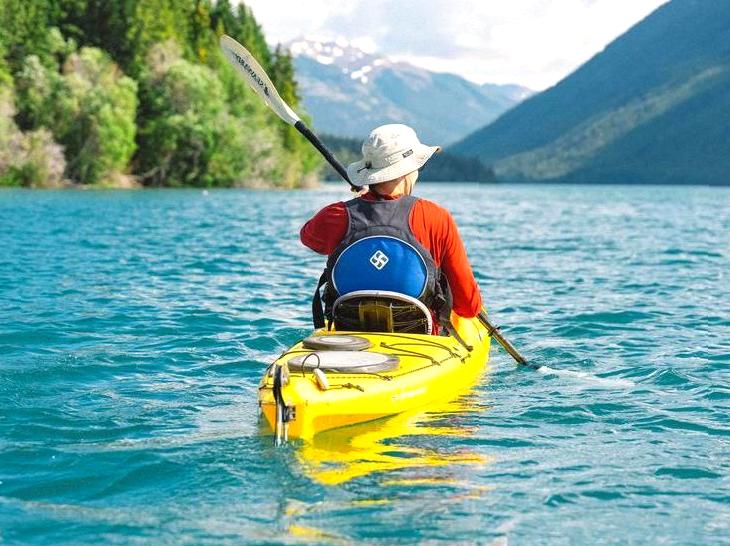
<point x="326" y="229"/>
<point x="455" y="264"/>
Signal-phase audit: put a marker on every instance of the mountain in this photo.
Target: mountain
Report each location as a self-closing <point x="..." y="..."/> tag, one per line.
<point x="653" y="107"/>
<point x="348" y="92"/>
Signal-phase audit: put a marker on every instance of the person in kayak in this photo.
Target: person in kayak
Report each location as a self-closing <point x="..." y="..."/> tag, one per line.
<point x="390" y="224"/>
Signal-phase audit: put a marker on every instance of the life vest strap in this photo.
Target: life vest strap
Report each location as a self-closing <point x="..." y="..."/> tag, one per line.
<point x="317" y="311"/>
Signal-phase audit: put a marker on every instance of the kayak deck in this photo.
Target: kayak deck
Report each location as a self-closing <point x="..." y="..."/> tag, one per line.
<point x="430" y="368"/>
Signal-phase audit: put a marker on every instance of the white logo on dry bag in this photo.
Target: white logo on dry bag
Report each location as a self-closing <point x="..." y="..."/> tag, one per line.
<point x="379" y="259"/>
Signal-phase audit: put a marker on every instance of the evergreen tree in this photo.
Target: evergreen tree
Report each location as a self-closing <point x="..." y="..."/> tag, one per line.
<point x="73" y="17"/>
<point x="249" y="33"/>
<point x="195" y="120"/>
<point x="223" y="20"/>
<point x="4" y="69"/>
<point x="201" y="40"/>
<point x="98" y="23"/>
<point x="284" y="79"/>
<point x="152" y="22"/>
<point x="24" y="26"/>
<point x="282" y="76"/>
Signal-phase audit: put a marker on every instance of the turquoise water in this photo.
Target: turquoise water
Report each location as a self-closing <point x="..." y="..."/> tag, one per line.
<point x="134" y="327"/>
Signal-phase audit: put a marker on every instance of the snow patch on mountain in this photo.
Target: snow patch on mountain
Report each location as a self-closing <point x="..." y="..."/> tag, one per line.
<point x="349" y="90"/>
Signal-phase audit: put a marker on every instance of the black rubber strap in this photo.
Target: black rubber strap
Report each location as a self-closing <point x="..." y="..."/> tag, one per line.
<point x="286" y="411"/>
<point x="317" y="311"/>
<point x="336" y="165"/>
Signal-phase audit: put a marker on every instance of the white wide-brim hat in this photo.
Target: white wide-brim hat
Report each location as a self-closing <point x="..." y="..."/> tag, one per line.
<point x="389" y="152"/>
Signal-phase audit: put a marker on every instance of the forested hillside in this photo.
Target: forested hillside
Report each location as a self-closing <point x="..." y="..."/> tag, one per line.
<point x="127" y="92"/>
<point x="653" y="107"/>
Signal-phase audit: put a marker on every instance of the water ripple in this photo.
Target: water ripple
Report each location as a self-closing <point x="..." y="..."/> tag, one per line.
<point x="135" y="327"/>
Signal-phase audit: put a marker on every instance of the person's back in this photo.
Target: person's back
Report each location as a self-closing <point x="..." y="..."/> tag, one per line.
<point x="392" y="157"/>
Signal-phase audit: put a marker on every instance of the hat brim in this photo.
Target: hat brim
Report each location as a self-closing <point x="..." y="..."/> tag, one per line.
<point x="361" y="175"/>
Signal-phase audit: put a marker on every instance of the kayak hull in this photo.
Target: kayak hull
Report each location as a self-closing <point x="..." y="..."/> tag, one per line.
<point x="430" y="368"/>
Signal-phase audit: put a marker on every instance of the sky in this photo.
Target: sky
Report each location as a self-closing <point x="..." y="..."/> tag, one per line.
<point x="534" y="43"/>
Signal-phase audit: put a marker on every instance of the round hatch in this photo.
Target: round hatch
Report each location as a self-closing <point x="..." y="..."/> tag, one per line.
<point x="336" y="342"/>
<point x="345" y="362"/>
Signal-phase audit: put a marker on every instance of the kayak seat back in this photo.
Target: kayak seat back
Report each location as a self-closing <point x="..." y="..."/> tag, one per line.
<point x="381" y="311"/>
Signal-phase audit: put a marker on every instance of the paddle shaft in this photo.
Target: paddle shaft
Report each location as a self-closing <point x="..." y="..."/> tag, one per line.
<point x="322" y="149"/>
<point x="496" y="334"/>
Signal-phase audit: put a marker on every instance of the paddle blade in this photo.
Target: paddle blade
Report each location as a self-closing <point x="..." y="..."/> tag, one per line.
<point x="252" y="73"/>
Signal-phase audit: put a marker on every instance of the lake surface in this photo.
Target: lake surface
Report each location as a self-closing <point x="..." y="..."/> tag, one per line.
<point x="134" y="327"/>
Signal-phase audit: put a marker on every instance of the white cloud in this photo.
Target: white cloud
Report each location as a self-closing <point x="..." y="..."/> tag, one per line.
<point x="531" y="42"/>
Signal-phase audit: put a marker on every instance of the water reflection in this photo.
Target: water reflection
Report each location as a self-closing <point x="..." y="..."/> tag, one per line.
<point x="390" y="444"/>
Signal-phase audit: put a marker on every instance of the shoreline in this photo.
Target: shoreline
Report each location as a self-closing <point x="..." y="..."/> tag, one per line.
<point x="329" y="183"/>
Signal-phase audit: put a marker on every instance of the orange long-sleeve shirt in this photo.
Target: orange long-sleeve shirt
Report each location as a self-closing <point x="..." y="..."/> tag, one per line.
<point x="432" y="225"/>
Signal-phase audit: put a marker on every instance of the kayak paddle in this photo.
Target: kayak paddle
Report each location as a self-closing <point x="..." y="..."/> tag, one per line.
<point x="252" y="73"/>
<point x="496" y="334"/>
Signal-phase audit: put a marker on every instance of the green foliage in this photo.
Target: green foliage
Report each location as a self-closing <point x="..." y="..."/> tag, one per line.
<point x="152" y="22"/>
<point x="223" y="19"/>
<point x="189" y="136"/>
<point x="189" y="121"/>
<point x="201" y="40"/>
<point x="39" y="90"/>
<point x="90" y="109"/>
<point x="246" y="30"/>
<point x="10" y="137"/>
<point x="28" y="28"/>
<point x="6" y="81"/>
<point x="98" y="23"/>
<point x="24" y="24"/>
<point x="3" y="54"/>
<point x="40" y="161"/>
<point x="26" y="159"/>
<point x="107" y="105"/>
<point x="283" y="77"/>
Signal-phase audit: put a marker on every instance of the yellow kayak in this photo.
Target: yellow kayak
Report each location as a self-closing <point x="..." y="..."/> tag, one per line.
<point x="335" y="379"/>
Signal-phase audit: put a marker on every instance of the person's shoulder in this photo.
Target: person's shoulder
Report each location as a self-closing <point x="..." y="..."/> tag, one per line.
<point x="333" y="212"/>
<point x="337" y="206"/>
<point x="433" y="209"/>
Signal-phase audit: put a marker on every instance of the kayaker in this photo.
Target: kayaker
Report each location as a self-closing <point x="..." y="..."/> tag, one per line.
<point x="392" y="157"/>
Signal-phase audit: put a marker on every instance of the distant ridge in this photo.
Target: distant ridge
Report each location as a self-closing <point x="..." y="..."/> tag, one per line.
<point x="348" y="91"/>
<point x="442" y="167"/>
<point x="653" y="107"/>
